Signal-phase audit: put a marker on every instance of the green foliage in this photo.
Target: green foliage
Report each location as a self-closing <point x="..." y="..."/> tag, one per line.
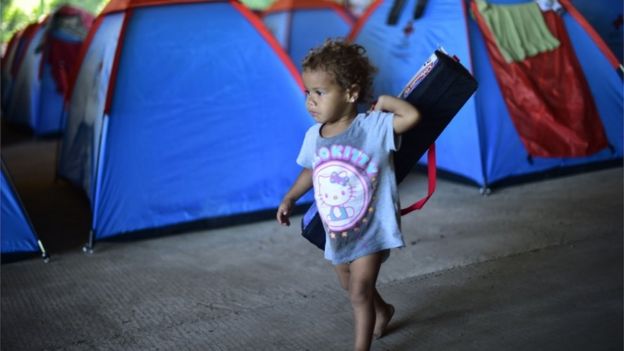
<point x="13" y="19"/>
<point x="93" y="6"/>
<point x="257" y="4"/>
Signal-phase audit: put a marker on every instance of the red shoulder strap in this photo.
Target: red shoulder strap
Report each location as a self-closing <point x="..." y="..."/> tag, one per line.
<point x="431" y="172"/>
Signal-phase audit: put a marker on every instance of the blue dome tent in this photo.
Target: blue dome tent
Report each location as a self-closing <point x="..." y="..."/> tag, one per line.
<point x="17" y="235"/>
<point x="6" y="75"/>
<point x="181" y="111"/>
<point x="483" y="144"/>
<point x="21" y="98"/>
<point x="65" y="32"/>
<point x="41" y="68"/>
<point x="299" y="25"/>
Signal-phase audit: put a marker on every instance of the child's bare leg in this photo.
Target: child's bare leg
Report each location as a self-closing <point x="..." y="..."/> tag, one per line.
<point x="383" y="314"/>
<point x="342" y="270"/>
<point x="362" y="279"/>
<point x="383" y="310"/>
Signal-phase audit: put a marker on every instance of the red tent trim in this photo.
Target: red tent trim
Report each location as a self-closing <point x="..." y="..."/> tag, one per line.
<point x="122" y="5"/>
<point x="358" y="25"/>
<point x="592" y="33"/>
<point x="257" y="23"/>
<point x="27" y="36"/>
<point x="113" y="77"/>
<point x="81" y="55"/>
<point x="289" y="5"/>
<point x="9" y="49"/>
<point x="129" y="5"/>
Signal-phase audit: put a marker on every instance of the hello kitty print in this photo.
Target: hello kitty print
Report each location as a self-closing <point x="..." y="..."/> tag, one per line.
<point x="355" y="189"/>
<point x="344" y="179"/>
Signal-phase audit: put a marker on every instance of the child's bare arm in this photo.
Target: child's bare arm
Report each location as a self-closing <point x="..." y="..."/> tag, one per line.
<point x="406" y="116"/>
<point x="301" y="186"/>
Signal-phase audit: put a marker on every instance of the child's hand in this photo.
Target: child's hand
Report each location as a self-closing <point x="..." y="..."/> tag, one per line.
<point x="406" y="116"/>
<point x="379" y="104"/>
<point x="283" y="212"/>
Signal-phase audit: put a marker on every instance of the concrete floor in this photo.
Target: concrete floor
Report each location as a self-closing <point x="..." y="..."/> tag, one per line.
<point x="536" y="266"/>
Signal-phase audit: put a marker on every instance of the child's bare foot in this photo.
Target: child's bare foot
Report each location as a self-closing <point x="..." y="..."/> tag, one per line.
<point x="381" y="321"/>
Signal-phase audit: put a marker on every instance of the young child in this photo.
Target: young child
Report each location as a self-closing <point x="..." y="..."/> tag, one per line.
<point x="347" y="157"/>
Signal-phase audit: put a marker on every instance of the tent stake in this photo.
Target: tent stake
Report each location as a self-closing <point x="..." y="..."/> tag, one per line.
<point x="485" y="191"/>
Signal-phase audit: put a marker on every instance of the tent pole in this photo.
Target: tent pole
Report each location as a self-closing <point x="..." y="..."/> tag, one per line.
<point x="419" y="9"/>
<point x="395" y="12"/>
<point x="88" y="247"/>
<point x="44" y="253"/>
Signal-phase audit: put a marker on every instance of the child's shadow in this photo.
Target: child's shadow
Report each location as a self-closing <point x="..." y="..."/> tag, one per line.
<point x="440" y="317"/>
<point x="429" y="333"/>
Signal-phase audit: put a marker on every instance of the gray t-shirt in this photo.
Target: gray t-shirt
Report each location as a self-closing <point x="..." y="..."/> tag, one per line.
<point x="355" y="186"/>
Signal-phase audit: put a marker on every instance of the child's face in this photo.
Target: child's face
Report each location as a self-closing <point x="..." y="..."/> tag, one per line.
<point x="326" y="101"/>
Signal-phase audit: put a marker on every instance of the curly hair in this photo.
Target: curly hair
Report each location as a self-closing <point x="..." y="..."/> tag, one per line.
<point x="346" y="62"/>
